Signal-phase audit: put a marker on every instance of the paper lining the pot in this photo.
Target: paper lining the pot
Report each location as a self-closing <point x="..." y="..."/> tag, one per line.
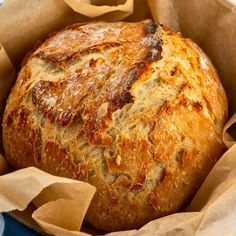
<point x="118" y="12"/>
<point x="212" y="212"/>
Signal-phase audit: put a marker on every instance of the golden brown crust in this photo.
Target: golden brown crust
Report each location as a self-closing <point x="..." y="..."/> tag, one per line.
<point x="24" y="136"/>
<point x="58" y="161"/>
<point x="134" y="109"/>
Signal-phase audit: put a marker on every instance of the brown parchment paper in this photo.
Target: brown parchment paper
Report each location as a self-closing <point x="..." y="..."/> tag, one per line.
<point x="119" y="12"/>
<point x="7" y="77"/>
<point x="62" y="203"/>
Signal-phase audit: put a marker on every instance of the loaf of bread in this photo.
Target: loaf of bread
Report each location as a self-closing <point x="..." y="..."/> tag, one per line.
<point x="132" y="108"/>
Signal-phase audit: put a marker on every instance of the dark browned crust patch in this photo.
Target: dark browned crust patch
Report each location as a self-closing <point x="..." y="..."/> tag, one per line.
<point x="144" y="48"/>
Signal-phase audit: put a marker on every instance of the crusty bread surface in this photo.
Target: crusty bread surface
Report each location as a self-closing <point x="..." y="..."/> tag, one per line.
<point x="132" y="108"/>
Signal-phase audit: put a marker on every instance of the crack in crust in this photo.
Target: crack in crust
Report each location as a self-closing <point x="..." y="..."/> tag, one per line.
<point x="51" y="98"/>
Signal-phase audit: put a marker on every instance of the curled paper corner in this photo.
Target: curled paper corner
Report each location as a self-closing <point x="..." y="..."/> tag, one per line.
<point x="62" y="202"/>
<point x="85" y="7"/>
<point x="63" y="207"/>
<point x="61" y="217"/>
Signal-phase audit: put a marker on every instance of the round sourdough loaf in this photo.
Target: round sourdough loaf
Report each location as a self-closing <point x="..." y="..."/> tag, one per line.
<point x="132" y="108"/>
